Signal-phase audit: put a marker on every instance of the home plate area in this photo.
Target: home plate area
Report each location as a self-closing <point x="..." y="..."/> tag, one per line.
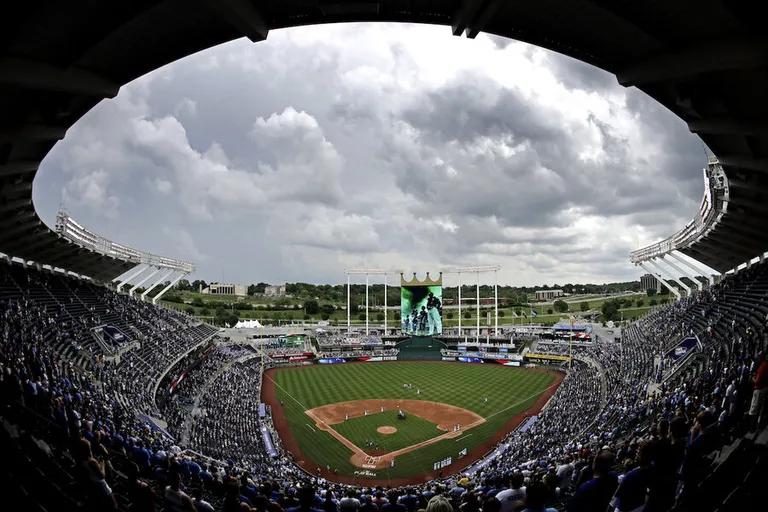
<point x="367" y="428"/>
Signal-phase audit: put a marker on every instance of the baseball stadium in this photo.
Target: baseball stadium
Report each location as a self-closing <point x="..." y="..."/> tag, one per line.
<point x="418" y="363"/>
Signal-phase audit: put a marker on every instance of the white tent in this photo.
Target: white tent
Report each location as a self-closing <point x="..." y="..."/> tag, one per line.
<point x="247" y="324"/>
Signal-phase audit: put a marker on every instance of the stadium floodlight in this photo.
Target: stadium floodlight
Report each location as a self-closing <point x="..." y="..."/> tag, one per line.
<point x="482" y="269"/>
<point x="372" y="271"/>
<point x="367" y="272"/>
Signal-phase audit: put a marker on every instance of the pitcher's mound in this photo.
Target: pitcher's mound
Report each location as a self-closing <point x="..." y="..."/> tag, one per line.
<point x="386" y="430"/>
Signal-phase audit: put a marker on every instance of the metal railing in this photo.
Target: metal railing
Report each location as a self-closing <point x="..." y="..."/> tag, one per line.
<point x="713" y="206"/>
<point x="70" y="229"/>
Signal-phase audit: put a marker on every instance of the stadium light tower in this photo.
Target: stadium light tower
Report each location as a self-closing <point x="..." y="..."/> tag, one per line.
<point x="479" y="270"/>
<point x="367" y="272"/>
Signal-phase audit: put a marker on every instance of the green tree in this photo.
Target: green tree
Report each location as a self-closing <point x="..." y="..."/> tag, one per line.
<point x="449" y="315"/>
<point x="190" y="310"/>
<point x="326" y="311"/>
<point x="610" y="310"/>
<point x="226" y="317"/>
<point x="311" y="307"/>
<point x="549" y="311"/>
<point x="653" y="302"/>
<point x="361" y="316"/>
<point x="560" y="306"/>
<point x="379" y="317"/>
<point x="467" y="315"/>
<point x="198" y="302"/>
<point x="584" y="306"/>
<point x="650" y="292"/>
<point x="640" y="303"/>
<point x="501" y="313"/>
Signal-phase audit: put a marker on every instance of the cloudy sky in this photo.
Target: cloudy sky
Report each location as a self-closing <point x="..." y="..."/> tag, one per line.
<point x="377" y="145"/>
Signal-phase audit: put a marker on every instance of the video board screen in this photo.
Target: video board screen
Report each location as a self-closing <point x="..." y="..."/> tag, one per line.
<point x="421" y="306"/>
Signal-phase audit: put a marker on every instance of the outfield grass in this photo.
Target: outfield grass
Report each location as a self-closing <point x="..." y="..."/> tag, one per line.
<point x="362" y="430"/>
<point x="509" y="390"/>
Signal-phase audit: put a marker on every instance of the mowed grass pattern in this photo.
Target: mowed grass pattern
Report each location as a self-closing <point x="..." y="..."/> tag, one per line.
<point x="362" y="430"/>
<point x="509" y="390"/>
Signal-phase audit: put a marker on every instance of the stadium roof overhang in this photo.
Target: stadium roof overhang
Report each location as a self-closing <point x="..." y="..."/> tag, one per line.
<point x="705" y="61"/>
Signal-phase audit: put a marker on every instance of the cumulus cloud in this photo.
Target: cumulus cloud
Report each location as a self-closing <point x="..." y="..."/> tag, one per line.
<point x="91" y="190"/>
<point x="379" y="145"/>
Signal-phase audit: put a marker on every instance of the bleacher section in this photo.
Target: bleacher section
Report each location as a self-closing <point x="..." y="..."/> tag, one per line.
<point x="83" y="430"/>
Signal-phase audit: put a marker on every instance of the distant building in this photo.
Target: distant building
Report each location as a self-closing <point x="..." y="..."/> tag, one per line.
<point x="277" y="290"/>
<point x="649" y="282"/>
<point x="548" y="294"/>
<point x="238" y="290"/>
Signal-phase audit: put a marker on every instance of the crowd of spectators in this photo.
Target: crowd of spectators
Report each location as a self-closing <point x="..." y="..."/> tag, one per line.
<point x="352" y="352"/>
<point x="618" y="432"/>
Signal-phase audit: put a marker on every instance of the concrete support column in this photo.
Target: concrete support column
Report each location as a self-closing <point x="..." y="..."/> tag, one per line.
<point x="664" y="271"/>
<point x="695" y="281"/>
<point x="157" y="282"/>
<point x="661" y="279"/>
<point x="130" y="275"/>
<point x="142" y="281"/>
<point x="170" y="285"/>
<point x="709" y="277"/>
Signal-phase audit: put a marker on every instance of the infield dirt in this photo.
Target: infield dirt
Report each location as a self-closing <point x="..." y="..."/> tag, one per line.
<point x="446" y="417"/>
<point x="289" y="442"/>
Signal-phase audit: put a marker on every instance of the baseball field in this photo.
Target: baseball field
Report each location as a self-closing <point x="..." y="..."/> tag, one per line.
<point x="389" y="423"/>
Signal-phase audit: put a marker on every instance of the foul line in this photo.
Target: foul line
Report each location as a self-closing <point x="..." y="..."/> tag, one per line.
<point x="462" y="437"/>
<point x="356" y="449"/>
<point x="523" y="400"/>
<point x="303" y="407"/>
<point x="310" y="427"/>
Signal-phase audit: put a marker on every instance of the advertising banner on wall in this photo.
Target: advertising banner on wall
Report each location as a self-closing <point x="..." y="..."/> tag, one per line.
<point x="331" y="360"/>
<point x="681" y="350"/>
